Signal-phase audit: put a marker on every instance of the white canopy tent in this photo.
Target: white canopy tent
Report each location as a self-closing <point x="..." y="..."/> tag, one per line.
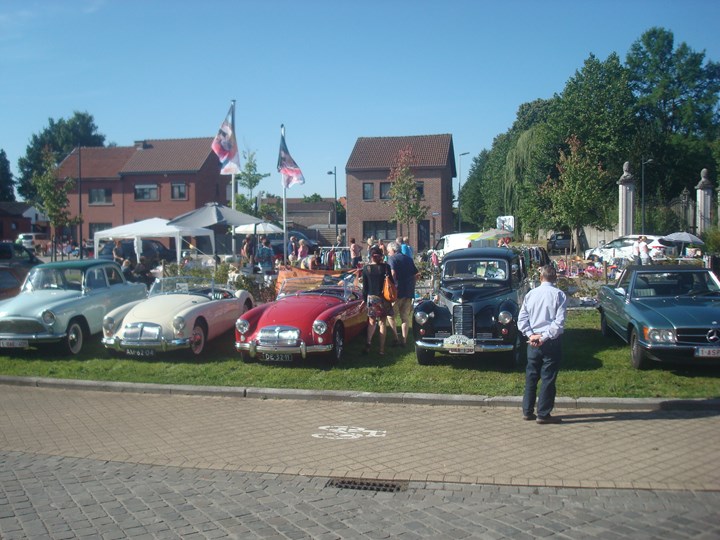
<point x="152" y="228"/>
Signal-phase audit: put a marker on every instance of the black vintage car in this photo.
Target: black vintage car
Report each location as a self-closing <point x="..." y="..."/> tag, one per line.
<point x="475" y="306"/>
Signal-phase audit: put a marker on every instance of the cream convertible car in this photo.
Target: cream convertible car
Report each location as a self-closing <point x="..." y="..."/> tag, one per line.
<point x="179" y="313"/>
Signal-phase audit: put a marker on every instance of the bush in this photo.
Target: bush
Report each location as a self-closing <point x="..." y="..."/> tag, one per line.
<point x="711" y="238"/>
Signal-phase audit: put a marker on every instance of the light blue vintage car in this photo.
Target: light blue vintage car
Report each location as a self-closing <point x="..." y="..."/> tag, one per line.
<point x="665" y="313"/>
<point x="64" y="303"/>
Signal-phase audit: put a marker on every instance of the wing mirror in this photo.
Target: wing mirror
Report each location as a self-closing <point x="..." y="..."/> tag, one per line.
<point x="620" y="291"/>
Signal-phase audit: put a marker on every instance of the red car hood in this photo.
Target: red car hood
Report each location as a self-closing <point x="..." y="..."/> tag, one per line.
<point x="297" y="311"/>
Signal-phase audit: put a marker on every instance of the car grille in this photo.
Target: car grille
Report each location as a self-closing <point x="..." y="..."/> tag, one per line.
<point x="21" y="326"/>
<point x="463" y="320"/>
<point x="279" y="335"/>
<point x="142" y="332"/>
<point x="696" y="336"/>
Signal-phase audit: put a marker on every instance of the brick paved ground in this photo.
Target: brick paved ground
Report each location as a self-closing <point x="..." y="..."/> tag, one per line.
<point x="80" y="463"/>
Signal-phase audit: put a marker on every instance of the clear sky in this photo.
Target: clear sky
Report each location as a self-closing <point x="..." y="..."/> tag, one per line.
<point x="330" y="70"/>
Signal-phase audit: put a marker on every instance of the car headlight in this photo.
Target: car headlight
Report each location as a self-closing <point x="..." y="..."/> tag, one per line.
<point x="48" y="317"/>
<point x="178" y="323"/>
<point x="108" y="325"/>
<point x="660" y="335"/>
<point x="319" y="327"/>
<point x="505" y="317"/>
<point x="421" y="317"/>
<point x="242" y="326"/>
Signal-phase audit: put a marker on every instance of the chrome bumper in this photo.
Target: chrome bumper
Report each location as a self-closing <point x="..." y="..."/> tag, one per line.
<point x="162" y="345"/>
<point x="253" y="347"/>
<point x="33" y="338"/>
<point x="480" y="347"/>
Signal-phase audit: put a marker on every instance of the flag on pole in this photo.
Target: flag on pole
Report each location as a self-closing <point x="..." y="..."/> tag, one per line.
<point x="291" y="173"/>
<point x="225" y="145"/>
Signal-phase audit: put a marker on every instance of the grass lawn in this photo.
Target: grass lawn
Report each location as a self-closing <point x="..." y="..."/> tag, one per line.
<point x="593" y="366"/>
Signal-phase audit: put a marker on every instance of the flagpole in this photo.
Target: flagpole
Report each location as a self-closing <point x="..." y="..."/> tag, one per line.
<point x="232" y="178"/>
<point x="285" y="238"/>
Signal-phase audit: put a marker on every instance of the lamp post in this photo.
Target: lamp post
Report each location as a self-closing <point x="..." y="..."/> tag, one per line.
<point x="80" y="223"/>
<point x="642" y="181"/>
<point x="334" y="173"/>
<point x="684" y="198"/>
<point x="459" y="188"/>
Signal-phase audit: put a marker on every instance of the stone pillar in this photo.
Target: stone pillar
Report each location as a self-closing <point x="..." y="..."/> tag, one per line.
<point x="704" y="202"/>
<point x="626" y="187"/>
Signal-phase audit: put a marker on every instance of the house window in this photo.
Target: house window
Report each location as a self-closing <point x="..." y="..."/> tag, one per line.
<point x="379" y="229"/>
<point x="100" y="196"/>
<point x="421" y="189"/>
<point x="385" y="190"/>
<point x="95" y="227"/>
<point x="146" y="192"/>
<point x="178" y="191"/>
<point x="368" y="191"/>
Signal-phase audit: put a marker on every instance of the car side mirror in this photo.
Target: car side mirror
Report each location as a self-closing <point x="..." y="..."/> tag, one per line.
<point x="619" y="291"/>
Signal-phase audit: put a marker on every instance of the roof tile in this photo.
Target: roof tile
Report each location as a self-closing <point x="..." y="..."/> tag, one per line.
<point x="371" y="153"/>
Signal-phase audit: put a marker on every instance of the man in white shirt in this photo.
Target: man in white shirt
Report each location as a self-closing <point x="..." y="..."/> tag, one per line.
<point x="644" y="250"/>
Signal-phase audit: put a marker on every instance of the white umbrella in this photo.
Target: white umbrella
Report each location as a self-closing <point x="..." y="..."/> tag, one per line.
<point x="683" y="238"/>
<point x="258" y="228"/>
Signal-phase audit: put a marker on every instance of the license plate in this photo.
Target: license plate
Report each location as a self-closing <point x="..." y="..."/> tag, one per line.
<point x="275" y="357"/>
<point x="712" y="352"/>
<point x="459" y="344"/>
<point x="14" y="343"/>
<point x="140" y="352"/>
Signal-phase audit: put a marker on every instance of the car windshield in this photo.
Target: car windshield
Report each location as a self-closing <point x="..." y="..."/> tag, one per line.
<point x="316" y="285"/>
<point x="676" y="283"/>
<point x="483" y="269"/>
<point x="53" y="278"/>
<point x="201" y="286"/>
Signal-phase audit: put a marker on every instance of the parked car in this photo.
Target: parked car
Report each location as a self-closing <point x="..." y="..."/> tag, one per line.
<point x="15" y="263"/>
<point x="64" y="303"/>
<point x="33" y="240"/>
<point x="621" y="248"/>
<point x="310" y="316"/>
<point x="277" y="242"/>
<point x="560" y="242"/>
<point x="665" y="313"/>
<point x="179" y="313"/>
<point x="475" y="306"/>
<point x="153" y="250"/>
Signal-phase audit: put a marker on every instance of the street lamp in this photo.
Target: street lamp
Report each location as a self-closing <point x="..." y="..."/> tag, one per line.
<point x="684" y="198"/>
<point x="334" y="173"/>
<point x="642" y="180"/>
<point x="459" y="188"/>
<point x="80" y="223"/>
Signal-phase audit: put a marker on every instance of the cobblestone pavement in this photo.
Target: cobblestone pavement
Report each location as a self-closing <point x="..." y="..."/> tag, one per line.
<point x="81" y="463"/>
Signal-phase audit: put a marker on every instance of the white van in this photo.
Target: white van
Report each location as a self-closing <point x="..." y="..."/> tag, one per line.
<point x="451" y="242"/>
<point x="31" y="240"/>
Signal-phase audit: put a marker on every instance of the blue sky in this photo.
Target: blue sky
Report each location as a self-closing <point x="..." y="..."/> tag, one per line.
<point x="330" y="70"/>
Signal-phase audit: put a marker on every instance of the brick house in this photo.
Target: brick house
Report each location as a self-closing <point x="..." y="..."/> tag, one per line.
<point x="153" y="178"/>
<point x="367" y="172"/>
<point x="14" y="219"/>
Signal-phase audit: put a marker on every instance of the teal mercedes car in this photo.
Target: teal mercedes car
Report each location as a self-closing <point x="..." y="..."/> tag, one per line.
<point x="665" y="312"/>
<point x="64" y="303"/>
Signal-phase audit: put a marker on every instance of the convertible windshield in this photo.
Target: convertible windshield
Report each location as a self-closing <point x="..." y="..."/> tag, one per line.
<point x="183" y="285"/>
<point x="315" y="285"/>
<point x="475" y="269"/>
<point x="53" y="278"/>
<point x="682" y="283"/>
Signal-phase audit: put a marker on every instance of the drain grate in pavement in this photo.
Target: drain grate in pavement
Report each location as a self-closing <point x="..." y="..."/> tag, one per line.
<point x="367" y="485"/>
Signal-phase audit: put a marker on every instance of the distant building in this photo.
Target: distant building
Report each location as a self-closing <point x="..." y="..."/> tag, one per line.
<point x="14" y="219"/>
<point x="153" y="178"/>
<point x="368" y="186"/>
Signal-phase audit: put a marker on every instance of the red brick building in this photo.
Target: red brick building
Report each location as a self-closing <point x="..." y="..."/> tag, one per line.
<point x="367" y="173"/>
<point x="154" y="178"/>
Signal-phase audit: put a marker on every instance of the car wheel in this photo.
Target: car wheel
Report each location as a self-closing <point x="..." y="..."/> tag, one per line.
<point x="424" y="357"/>
<point x="514" y="358"/>
<point x="74" y="337"/>
<point x="637" y="355"/>
<point x="247" y="306"/>
<point x="338" y="345"/>
<point x="604" y="330"/>
<point x="198" y="338"/>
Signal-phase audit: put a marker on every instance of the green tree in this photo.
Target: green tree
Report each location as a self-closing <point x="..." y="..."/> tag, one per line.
<point x="7" y="182"/>
<point x="52" y="194"/>
<point x="314" y="198"/>
<point x="404" y="195"/>
<point x="574" y="194"/>
<point x="59" y="137"/>
<point x="249" y="178"/>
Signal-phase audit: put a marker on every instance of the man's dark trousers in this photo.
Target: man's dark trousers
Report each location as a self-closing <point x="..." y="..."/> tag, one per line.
<point x="543" y="363"/>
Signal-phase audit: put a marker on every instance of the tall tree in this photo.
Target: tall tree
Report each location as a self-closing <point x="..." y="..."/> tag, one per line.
<point x="7" y="182"/>
<point x="52" y="194"/>
<point x="404" y="194"/>
<point x="314" y="198"/>
<point x="59" y="137"/>
<point x="249" y="178"/>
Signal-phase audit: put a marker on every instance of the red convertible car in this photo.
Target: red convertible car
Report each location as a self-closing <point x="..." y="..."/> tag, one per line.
<point x="311" y="315"/>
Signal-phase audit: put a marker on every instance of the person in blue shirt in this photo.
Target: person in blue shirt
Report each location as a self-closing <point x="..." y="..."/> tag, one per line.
<point x="404" y="273"/>
<point x="405" y="247"/>
<point x="265" y="255"/>
<point x="542" y="321"/>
